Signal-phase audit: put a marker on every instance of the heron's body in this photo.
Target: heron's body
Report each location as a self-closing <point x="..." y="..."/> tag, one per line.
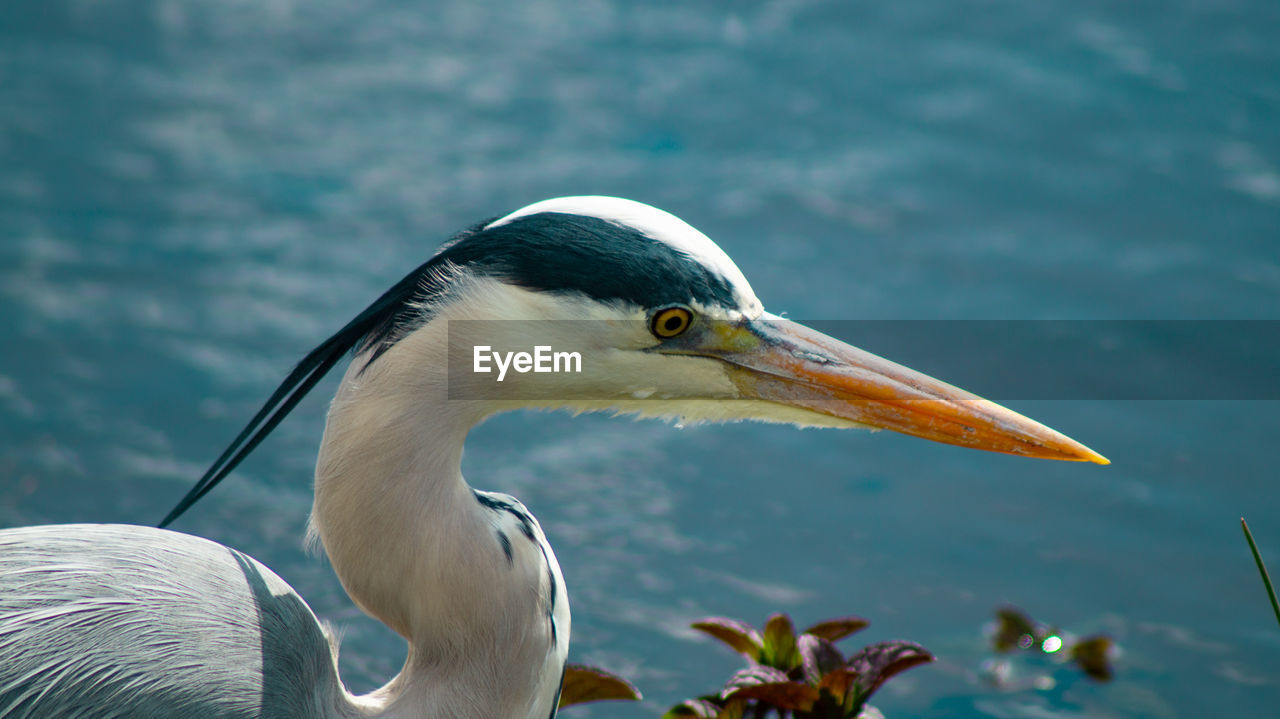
<point x="121" y="621"/>
<point x="107" y="621"/>
<point x="125" y="621"/>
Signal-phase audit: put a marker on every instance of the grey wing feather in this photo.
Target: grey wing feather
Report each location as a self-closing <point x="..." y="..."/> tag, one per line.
<point x="105" y="621"/>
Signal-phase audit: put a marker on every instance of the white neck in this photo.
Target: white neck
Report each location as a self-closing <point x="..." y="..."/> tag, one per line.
<point x="415" y="549"/>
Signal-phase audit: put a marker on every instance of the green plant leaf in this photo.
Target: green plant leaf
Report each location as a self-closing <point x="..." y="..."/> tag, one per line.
<point x="700" y="708"/>
<point x="740" y="636"/>
<point x="590" y="684"/>
<point x="877" y="663"/>
<point x="780" y="643"/>
<point x="1093" y="656"/>
<point x="817" y="657"/>
<point x="833" y="630"/>
<point x="1262" y="568"/>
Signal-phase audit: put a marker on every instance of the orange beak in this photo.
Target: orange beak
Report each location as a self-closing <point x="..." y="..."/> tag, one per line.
<point x="778" y="360"/>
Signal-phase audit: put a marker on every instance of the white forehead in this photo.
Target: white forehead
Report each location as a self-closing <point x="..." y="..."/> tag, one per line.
<point x="657" y="225"/>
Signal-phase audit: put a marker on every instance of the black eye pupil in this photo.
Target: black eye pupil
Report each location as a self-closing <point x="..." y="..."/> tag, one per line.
<point x="673" y="323"/>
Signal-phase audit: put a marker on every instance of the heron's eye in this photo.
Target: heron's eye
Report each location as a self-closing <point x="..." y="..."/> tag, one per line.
<point x="671" y="321"/>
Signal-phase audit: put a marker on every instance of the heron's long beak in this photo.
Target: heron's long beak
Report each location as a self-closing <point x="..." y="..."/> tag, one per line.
<point x="783" y="361"/>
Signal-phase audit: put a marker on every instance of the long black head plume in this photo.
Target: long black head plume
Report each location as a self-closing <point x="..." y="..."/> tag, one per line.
<point x="376" y="325"/>
<point x="304" y="376"/>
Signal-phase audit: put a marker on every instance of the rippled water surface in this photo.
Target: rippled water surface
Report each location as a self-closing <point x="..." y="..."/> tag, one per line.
<point x="194" y="192"/>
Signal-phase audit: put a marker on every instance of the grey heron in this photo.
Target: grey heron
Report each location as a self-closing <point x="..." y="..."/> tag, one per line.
<point x="126" y="621"/>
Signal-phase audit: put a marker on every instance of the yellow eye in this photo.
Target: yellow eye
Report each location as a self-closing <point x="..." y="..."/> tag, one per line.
<point x="670" y="322"/>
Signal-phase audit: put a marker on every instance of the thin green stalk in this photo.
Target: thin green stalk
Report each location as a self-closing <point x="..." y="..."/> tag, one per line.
<point x="1262" y="568"/>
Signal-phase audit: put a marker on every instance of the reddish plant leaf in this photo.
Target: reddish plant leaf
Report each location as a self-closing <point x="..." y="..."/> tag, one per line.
<point x="785" y="696"/>
<point x="1014" y="630"/>
<point x="780" y="643"/>
<point x="589" y="684"/>
<point x="699" y="708"/>
<point x="817" y="657"/>
<point x="833" y="630"/>
<point x="753" y="676"/>
<point x="876" y="663"/>
<point x="733" y="709"/>
<point x="740" y="636"/>
<point x="837" y="682"/>
<point x="1093" y="656"/>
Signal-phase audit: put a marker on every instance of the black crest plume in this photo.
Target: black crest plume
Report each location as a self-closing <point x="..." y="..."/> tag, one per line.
<point x="376" y="325"/>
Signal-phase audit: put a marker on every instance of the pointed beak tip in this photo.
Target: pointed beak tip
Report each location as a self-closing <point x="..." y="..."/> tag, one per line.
<point x="1080" y="453"/>
<point x="1073" y="451"/>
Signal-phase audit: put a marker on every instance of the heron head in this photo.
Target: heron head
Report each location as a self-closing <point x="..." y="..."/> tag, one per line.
<point x="604" y="304"/>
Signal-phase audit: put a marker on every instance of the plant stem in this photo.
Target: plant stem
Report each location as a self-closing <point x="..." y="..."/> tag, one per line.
<point x="1262" y="568"/>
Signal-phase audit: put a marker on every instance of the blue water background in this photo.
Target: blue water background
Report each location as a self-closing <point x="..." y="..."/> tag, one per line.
<point x="194" y="192"/>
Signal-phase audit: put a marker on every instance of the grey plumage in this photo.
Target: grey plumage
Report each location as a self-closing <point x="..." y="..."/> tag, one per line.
<point x="104" y="621"/>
